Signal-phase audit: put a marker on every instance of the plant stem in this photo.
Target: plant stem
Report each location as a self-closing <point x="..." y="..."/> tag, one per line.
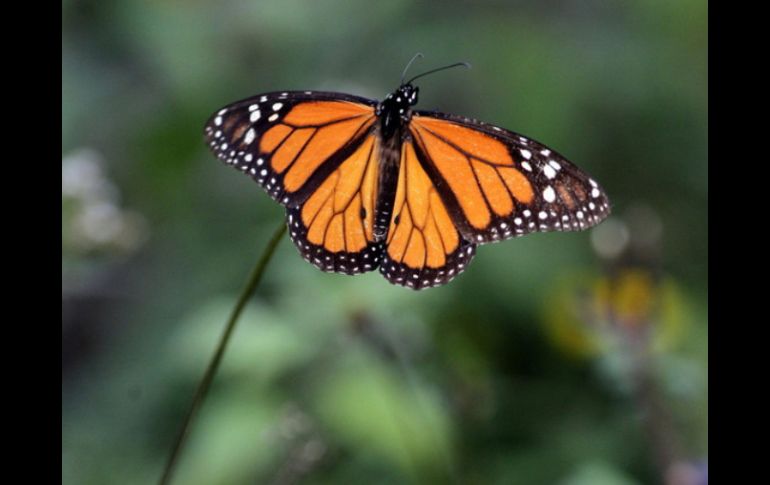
<point x="211" y="370"/>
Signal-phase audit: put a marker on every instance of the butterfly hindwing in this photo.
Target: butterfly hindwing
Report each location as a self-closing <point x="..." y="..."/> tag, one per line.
<point x="424" y="247"/>
<point x="333" y="227"/>
<point x="290" y="141"/>
<point x="498" y="184"/>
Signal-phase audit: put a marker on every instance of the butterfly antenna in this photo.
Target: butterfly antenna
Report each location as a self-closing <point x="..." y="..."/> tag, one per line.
<point x="457" y="64"/>
<point x="403" y="74"/>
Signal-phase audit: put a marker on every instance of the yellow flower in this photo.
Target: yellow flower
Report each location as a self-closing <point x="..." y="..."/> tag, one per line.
<point x="586" y="314"/>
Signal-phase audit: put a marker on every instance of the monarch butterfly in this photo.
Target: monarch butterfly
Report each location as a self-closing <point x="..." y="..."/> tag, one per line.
<point x="370" y="184"/>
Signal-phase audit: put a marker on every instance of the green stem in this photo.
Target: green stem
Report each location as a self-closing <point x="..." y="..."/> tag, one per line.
<point x="211" y="370"/>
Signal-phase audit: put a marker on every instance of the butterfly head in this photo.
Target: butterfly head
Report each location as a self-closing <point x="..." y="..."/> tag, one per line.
<point x="395" y="109"/>
<point x="401" y="100"/>
<point x="408" y="93"/>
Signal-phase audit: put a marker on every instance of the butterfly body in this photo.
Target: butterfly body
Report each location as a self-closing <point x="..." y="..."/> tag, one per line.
<point x="389" y="162"/>
<point x="377" y="185"/>
<point x="393" y="114"/>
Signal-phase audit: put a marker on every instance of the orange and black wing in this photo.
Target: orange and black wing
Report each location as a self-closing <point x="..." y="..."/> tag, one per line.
<point x="497" y="184"/>
<point x="315" y="153"/>
<point x="334" y="227"/>
<point x="424" y="247"/>
<point x="290" y="142"/>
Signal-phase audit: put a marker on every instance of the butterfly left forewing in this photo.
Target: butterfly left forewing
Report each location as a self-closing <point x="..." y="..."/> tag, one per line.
<point x="289" y="141"/>
<point x="498" y="184"/>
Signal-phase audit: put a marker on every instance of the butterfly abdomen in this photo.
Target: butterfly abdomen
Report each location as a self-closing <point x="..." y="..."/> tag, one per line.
<point x="390" y="156"/>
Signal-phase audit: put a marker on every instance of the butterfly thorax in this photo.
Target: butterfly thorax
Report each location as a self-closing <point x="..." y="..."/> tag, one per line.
<point x="396" y="110"/>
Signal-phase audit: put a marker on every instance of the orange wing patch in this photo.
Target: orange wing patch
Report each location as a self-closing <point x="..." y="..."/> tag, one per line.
<point x="274" y="137"/>
<point x="424" y="248"/>
<point x="518" y="184"/>
<point x="340" y="214"/>
<point x="472" y="142"/>
<point x="300" y="151"/>
<point x="493" y="186"/>
<point x="323" y="112"/>
<point x="325" y="141"/>
<point x="289" y="148"/>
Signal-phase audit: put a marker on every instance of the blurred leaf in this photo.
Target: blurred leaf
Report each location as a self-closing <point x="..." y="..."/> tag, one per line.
<point x="374" y="412"/>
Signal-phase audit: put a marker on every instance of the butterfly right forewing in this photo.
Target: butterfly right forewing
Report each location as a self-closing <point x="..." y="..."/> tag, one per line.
<point x="499" y="184"/>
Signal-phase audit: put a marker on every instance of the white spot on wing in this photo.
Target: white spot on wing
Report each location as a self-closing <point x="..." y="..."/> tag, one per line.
<point x="548" y="194"/>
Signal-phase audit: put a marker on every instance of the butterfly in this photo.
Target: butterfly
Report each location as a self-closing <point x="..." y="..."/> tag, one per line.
<point x="373" y="185"/>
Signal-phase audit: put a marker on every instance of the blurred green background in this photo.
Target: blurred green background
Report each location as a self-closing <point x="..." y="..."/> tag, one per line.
<point x="573" y="358"/>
